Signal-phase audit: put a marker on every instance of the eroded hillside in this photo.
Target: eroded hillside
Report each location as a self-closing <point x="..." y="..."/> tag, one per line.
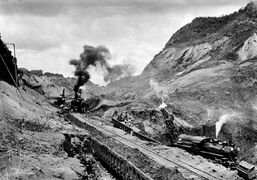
<point x="206" y="73"/>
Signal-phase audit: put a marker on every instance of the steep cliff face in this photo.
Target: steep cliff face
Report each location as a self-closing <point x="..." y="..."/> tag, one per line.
<point x="206" y="41"/>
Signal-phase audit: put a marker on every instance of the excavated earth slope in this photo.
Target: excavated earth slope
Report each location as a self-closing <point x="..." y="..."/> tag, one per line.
<point x="31" y="139"/>
<point x="206" y="73"/>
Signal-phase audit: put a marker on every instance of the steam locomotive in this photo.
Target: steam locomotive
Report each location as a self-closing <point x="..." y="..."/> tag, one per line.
<point x="222" y="152"/>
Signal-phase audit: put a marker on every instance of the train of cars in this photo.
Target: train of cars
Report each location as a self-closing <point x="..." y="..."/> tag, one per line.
<point x="221" y="152"/>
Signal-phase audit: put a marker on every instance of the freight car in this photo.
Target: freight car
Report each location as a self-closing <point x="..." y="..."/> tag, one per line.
<point x="210" y="148"/>
<point x="246" y="170"/>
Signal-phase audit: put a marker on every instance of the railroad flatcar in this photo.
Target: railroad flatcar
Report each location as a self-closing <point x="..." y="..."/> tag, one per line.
<point x="211" y="148"/>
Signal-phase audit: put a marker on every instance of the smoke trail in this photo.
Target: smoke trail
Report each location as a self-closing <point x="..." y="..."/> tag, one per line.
<point x="223" y="119"/>
<point x="95" y="56"/>
<point x="90" y="56"/>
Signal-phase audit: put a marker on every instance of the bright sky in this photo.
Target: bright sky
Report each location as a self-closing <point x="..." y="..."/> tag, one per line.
<point x="48" y="33"/>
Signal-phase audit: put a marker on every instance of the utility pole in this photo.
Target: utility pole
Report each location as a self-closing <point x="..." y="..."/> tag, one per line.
<point x="14" y="60"/>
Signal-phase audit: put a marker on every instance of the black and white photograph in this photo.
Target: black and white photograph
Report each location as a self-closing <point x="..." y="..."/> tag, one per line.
<point x="128" y="89"/>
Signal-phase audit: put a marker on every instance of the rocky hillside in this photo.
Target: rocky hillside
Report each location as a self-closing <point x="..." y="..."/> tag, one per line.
<point x="48" y="84"/>
<point x="207" y="72"/>
<point x="208" y="40"/>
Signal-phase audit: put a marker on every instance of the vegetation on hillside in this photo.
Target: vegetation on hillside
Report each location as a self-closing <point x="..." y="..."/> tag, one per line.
<point x="202" y="27"/>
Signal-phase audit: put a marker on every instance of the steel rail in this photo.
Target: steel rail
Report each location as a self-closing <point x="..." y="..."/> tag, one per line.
<point x="180" y="163"/>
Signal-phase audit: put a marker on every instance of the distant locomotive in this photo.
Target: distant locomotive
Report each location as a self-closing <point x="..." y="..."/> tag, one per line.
<point x="222" y="152"/>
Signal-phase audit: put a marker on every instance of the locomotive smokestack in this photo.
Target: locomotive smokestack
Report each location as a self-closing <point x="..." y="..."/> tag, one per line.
<point x="63" y="92"/>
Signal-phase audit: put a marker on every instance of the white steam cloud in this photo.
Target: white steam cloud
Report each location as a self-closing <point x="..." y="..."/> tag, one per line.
<point x="161" y="92"/>
<point x="223" y="119"/>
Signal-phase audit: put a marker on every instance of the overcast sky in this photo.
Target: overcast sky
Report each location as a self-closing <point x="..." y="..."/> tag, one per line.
<point x="48" y="33"/>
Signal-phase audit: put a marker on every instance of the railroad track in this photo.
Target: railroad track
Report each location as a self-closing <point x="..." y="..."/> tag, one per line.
<point x="186" y="169"/>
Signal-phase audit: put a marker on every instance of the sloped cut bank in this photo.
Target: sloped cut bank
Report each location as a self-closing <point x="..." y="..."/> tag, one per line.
<point x="79" y="146"/>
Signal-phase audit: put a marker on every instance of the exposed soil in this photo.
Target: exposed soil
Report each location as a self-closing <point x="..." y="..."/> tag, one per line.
<point x="206" y="73"/>
<point x="78" y="146"/>
<point x="140" y="160"/>
<point x="31" y="140"/>
<point x="149" y="166"/>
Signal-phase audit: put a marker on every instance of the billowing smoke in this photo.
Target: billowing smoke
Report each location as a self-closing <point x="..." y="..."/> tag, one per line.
<point x="90" y="56"/>
<point x="118" y="72"/>
<point x="98" y="57"/>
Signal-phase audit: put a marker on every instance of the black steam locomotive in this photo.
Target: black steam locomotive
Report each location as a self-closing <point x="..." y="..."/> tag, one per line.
<point x="210" y="148"/>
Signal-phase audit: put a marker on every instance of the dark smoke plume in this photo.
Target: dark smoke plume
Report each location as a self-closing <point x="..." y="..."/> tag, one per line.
<point x="90" y="56"/>
<point x="94" y="56"/>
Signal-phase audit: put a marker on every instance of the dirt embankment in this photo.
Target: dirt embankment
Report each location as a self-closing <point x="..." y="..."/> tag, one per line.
<point x="31" y="138"/>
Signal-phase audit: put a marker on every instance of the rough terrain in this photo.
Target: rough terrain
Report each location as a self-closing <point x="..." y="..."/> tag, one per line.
<point x="206" y="73"/>
<point x="31" y="134"/>
<point x="138" y="154"/>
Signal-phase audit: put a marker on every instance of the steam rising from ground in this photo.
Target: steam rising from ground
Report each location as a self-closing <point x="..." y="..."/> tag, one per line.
<point x="161" y="92"/>
<point x="223" y="119"/>
<point x="98" y="57"/>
